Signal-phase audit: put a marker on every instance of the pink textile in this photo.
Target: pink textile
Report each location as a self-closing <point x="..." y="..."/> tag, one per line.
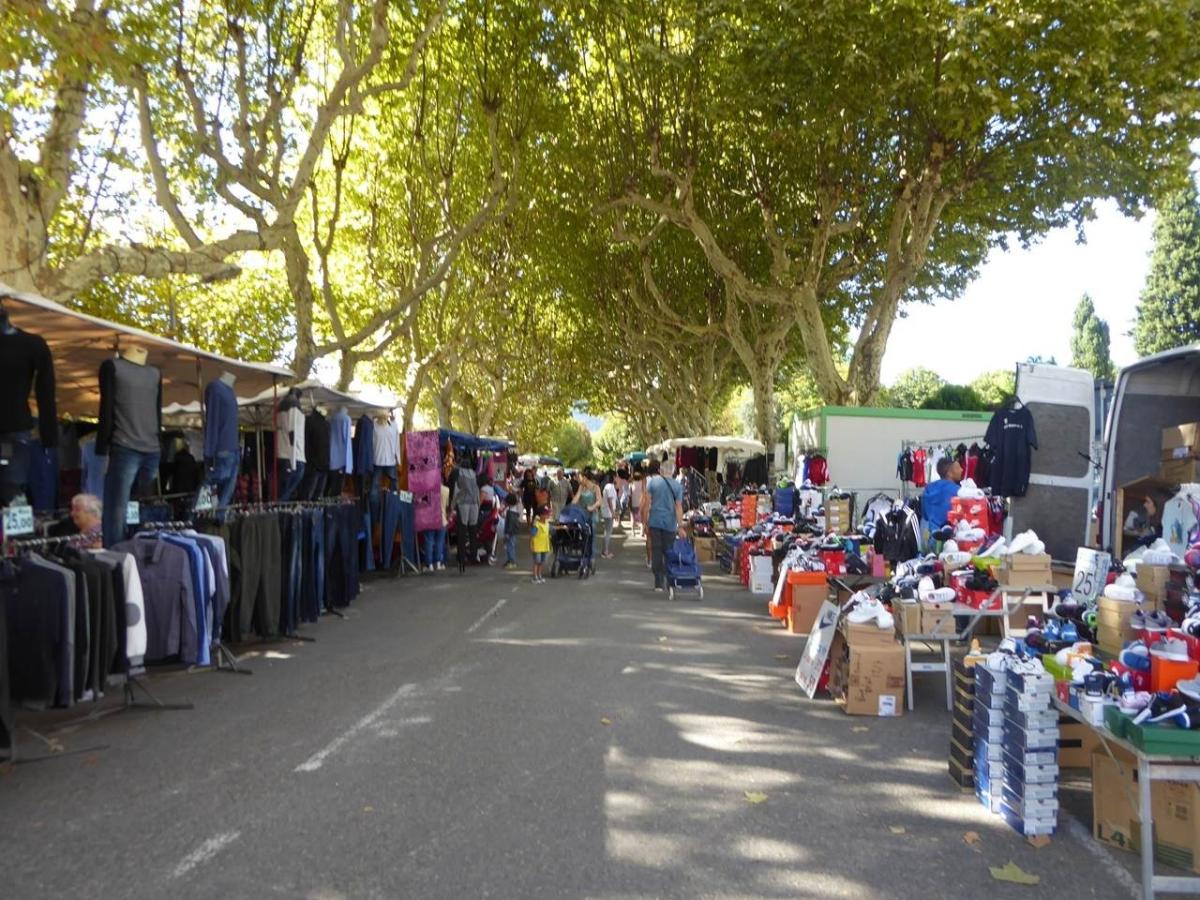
<point x="425" y="478"/>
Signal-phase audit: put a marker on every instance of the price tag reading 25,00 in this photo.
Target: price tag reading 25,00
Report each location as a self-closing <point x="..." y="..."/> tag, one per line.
<point x="18" y="520"/>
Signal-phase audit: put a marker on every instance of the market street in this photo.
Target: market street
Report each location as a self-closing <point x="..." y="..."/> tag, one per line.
<point x="483" y="736"/>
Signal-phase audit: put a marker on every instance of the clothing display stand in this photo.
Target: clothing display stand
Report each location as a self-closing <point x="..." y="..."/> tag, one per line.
<point x="906" y="445"/>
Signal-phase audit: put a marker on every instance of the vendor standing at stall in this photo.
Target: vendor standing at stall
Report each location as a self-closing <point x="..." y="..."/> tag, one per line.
<point x="935" y="501"/>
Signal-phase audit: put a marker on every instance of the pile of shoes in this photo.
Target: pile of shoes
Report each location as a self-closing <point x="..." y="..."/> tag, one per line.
<point x="862" y="609"/>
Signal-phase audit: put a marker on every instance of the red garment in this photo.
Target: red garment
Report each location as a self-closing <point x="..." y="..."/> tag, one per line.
<point x="971" y="463"/>
<point x="818" y="470"/>
<point x="919" y="458"/>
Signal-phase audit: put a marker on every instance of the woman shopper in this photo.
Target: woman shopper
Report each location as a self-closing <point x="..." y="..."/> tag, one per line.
<point x="663" y="505"/>
<point x="529" y="493"/>
<point x="587" y="498"/>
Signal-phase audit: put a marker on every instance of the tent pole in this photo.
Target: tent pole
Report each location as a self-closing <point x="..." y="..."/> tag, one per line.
<point x="275" y="423"/>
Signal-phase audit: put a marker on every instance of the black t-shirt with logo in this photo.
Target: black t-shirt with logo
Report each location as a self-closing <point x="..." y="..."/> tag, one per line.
<point x="1011" y="434"/>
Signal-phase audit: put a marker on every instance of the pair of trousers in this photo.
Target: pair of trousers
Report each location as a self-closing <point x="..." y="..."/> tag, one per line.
<point x="312" y="587"/>
<point x="408" y="532"/>
<point x="435" y="546"/>
<point x="334" y="482"/>
<point x="661" y="540"/>
<point x="125" y="469"/>
<point x="348" y="520"/>
<point x="510" y="548"/>
<point x="291" y="552"/>
<point x="366" y="536"/>
<point x="389" y="524"/>
<point x="374" y="491"/>
<point x="290" y="476"/>
<point x="221" y="476"/>
<point x="259" y="594"/>
<point x="606" y="526"/>
<point x="312" y="483"/>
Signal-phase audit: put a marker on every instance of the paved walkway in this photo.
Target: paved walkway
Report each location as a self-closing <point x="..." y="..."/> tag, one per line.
<point x="483" y="736"/>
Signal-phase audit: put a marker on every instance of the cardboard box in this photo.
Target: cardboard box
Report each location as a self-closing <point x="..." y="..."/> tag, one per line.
<point x="762" y="580"/>
<point x="1076" y="742"/>
<point x="806" y="604"/>
<point x="875" y="681"/>
<point x="1175" y="807"/>
<point x="1152" y="581"/>
<point x="706" y="549"/>
<point x="908" y="617"/>
<point x="869" y="635"/>
<point x="936" y="618"/>
<point x="1023" y="570"/>
<point x="1181" y="441"/>
<point x="1132" y="495"/>
<point x="1180" y="471"/>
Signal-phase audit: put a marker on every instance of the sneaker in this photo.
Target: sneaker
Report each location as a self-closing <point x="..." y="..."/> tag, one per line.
<point x="1135" y="701"/>
<point x="1190" y="688"/>
<point x="1136" y="657"/>
<point x="1124" y="588"/>
<point x="942" y="595"/>
<point x="1155" y="621"/>
<point x="1172" y="649"/>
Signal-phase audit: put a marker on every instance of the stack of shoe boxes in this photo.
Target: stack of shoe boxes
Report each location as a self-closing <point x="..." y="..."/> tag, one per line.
<point x="1030" y="792"/>
<point x="962" y="741"/>
<point x="990" y="687"/>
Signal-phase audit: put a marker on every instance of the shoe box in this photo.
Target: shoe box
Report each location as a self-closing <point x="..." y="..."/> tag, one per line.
<point x="1113" y="628"/>
<point x="837" y="516"/>
<point x="762" y="581"/>
<point x="1165" y="587"/>
<point x="908" y="617"/>
<point x="1022" y="570"/>
<point x="962" y="733"/>
<point x="1029" y="792"/>
<point x="937" y="618"/>
<point x="1180" y="471"/>
<point x="1115" y="818"/>
<point x="706" y="549"/>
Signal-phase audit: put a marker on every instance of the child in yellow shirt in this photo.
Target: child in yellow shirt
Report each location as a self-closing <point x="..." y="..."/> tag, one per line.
<point x="540" y="543"/>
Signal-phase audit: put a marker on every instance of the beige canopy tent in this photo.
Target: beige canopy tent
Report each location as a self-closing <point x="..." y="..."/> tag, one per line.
<point x="727" y="448"/>
<point x="79" y="343"/>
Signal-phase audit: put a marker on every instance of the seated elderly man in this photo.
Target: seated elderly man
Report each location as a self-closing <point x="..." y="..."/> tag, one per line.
<point x="85" y="516"/>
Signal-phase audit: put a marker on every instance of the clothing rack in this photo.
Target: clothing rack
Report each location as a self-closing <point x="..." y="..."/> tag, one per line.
<point x="908" y="444"/>
<point x="224" y="654"/>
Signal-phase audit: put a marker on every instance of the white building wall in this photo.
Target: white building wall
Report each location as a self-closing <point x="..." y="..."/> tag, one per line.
<point x="862" y="451"/>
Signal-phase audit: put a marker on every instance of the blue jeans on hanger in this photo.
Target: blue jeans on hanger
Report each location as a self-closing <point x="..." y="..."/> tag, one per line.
<point x="390" y="524"/>
<point x="435" y="546"/>
<point x="125" y="468"/>
<point x="408" y="533"/>
<point x="289" y="477"/>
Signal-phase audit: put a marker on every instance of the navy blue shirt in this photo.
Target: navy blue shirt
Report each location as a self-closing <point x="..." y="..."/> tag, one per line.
<point x="220" y="419"/>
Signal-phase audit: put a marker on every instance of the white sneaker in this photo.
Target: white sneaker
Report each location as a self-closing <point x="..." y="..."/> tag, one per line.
<point x="968" y="490"/>
<point x="1124" y="588"/>
<point x="942" y="595"/>
<point x="925" y="588"/>
<point x="999" y="548"/>
<point x="865" y="609"/>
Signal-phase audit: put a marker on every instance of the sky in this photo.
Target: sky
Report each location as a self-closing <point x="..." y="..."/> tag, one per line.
<point x="1023" y="301"/>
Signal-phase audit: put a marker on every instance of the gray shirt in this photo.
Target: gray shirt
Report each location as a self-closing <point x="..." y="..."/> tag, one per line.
<point x="130" y="406"/>
<point x="466" y="489"/>
<point x="166" y="576"/>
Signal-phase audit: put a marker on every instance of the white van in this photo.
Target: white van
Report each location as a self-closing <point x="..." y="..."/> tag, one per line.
<point x="1071" y="471"/>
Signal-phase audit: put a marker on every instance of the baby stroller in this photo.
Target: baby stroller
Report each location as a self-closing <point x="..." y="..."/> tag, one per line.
<point x="571" y="539"/>
<point x="683" y="569"/>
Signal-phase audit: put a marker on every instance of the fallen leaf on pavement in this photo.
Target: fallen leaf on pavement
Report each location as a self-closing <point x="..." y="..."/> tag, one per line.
<point x="782" y="656"/>
<point x="897" y="829"/>
<point x="1038" y="841"/>
<point x="1013" y="874"/>
<point x="860" y="728"/>
<point x="368" y="809"/>
<point x="605" y="721"/>
<point x="755" y="797"/>
<point x="972" y="838"/>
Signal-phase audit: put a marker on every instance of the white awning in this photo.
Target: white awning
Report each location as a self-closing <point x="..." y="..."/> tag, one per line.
<point x="745" y="446"/>
<point x="256" y="411"/>
<point x="79" y="343"/>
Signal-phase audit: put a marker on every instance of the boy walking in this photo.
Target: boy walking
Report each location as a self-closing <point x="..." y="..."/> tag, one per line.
<point x="540" y="543"/>
<point x="512" y="521"/>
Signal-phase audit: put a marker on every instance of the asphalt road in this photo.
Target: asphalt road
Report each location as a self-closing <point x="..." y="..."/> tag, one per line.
<point x="481" y="736"/>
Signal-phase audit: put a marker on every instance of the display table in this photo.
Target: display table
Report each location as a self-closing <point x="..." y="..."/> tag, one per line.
<point x="1151" y="768"/>
<point x="1011" y="600"/>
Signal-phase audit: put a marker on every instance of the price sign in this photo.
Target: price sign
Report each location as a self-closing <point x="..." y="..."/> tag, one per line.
<point x="133" y="513"/>
<point x="816" y="649"/>
<point x="406" y="496"/>
<point x="18" y="520"/>
<point x="205" y="499"/>
<point x="1091" y="574"/>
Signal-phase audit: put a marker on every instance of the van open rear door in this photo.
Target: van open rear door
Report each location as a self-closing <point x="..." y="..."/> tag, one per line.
<point x="1062" y="480"/>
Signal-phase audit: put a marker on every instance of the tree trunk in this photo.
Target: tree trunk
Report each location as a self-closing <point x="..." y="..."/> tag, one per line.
<point x="303" y="299"/>
<point x="349" y="362"/>
<point x="763" y="384"/>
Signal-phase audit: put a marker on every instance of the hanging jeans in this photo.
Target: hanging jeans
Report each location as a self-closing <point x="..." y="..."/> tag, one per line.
<point x="389" y="524"/>
<point x="312" y="485"/>
<point x="374" y="490"/>
<point x="290" y="476"/>
<point x="222" y="478"/>
<point x="334" y="482"/>
<point x="366" y="537"/>
<point x="292" y="553"/>
<point x="408" y="533"/>
<point x="261" y="560"/>
<point x="125" y="468"/>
